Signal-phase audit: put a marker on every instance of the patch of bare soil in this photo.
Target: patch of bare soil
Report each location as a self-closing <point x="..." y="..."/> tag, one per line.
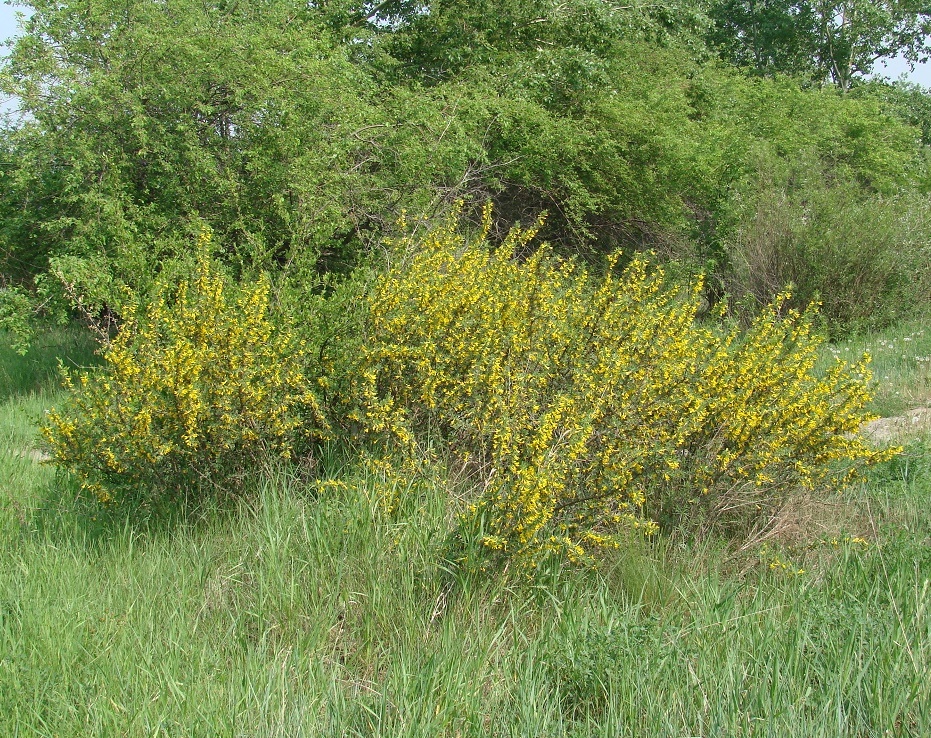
<point x="39" y="457"/>
<point x="900" y="427"/>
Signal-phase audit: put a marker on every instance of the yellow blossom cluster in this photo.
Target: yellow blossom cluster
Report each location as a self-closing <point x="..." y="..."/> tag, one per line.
<point x="194" y="389"/>
<point x="778" y="563"/>
<point x="591" y="404"/>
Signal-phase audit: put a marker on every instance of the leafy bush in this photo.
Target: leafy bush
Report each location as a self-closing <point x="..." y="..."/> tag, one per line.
<point x="587" y="404"/>
<point x="16" y="309"/>
<point x="299" y="132"/>
<point x="584" y="655"/>
<point x="867" y="261"/>
<point x="195" y="389"/>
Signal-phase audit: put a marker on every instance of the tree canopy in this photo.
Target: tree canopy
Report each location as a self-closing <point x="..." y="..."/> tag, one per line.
<point x="300" y="132"/>
<point x="832" y="40"/>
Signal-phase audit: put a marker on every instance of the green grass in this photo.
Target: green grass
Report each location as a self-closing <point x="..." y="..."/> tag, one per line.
<point x="901" y="365"/>
<point x="303" y="614"/>
<point x="37" y="371"/>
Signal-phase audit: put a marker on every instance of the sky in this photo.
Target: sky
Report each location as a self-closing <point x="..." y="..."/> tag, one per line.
<point x="897" y="67"/>
<point x="893" y="69"/>
<point x="7" y="21"/>
<point x="7" y="29"/>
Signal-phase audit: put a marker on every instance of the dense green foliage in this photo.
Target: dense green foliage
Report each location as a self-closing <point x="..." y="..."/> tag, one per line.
<point x="299" y="133"/>
<point x="833" y="40"/>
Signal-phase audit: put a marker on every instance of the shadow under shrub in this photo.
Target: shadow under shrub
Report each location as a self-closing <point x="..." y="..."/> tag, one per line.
<point x="583" y="405"/>
<point x="196" y="389"/>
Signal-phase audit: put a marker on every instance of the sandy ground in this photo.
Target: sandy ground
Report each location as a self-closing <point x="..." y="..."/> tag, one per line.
<point x="900" y="427"/>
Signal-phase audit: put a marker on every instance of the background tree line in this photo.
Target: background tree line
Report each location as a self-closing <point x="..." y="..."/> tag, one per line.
<point x="734" y="138"/>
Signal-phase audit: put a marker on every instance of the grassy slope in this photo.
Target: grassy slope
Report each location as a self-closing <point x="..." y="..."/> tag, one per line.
<point x="901" y="365"/>
<point x="304" y="615"/>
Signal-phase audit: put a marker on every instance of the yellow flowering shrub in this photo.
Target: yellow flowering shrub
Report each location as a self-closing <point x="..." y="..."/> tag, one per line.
<point x="588" y="404"/>
<point x="195" y="389"/>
